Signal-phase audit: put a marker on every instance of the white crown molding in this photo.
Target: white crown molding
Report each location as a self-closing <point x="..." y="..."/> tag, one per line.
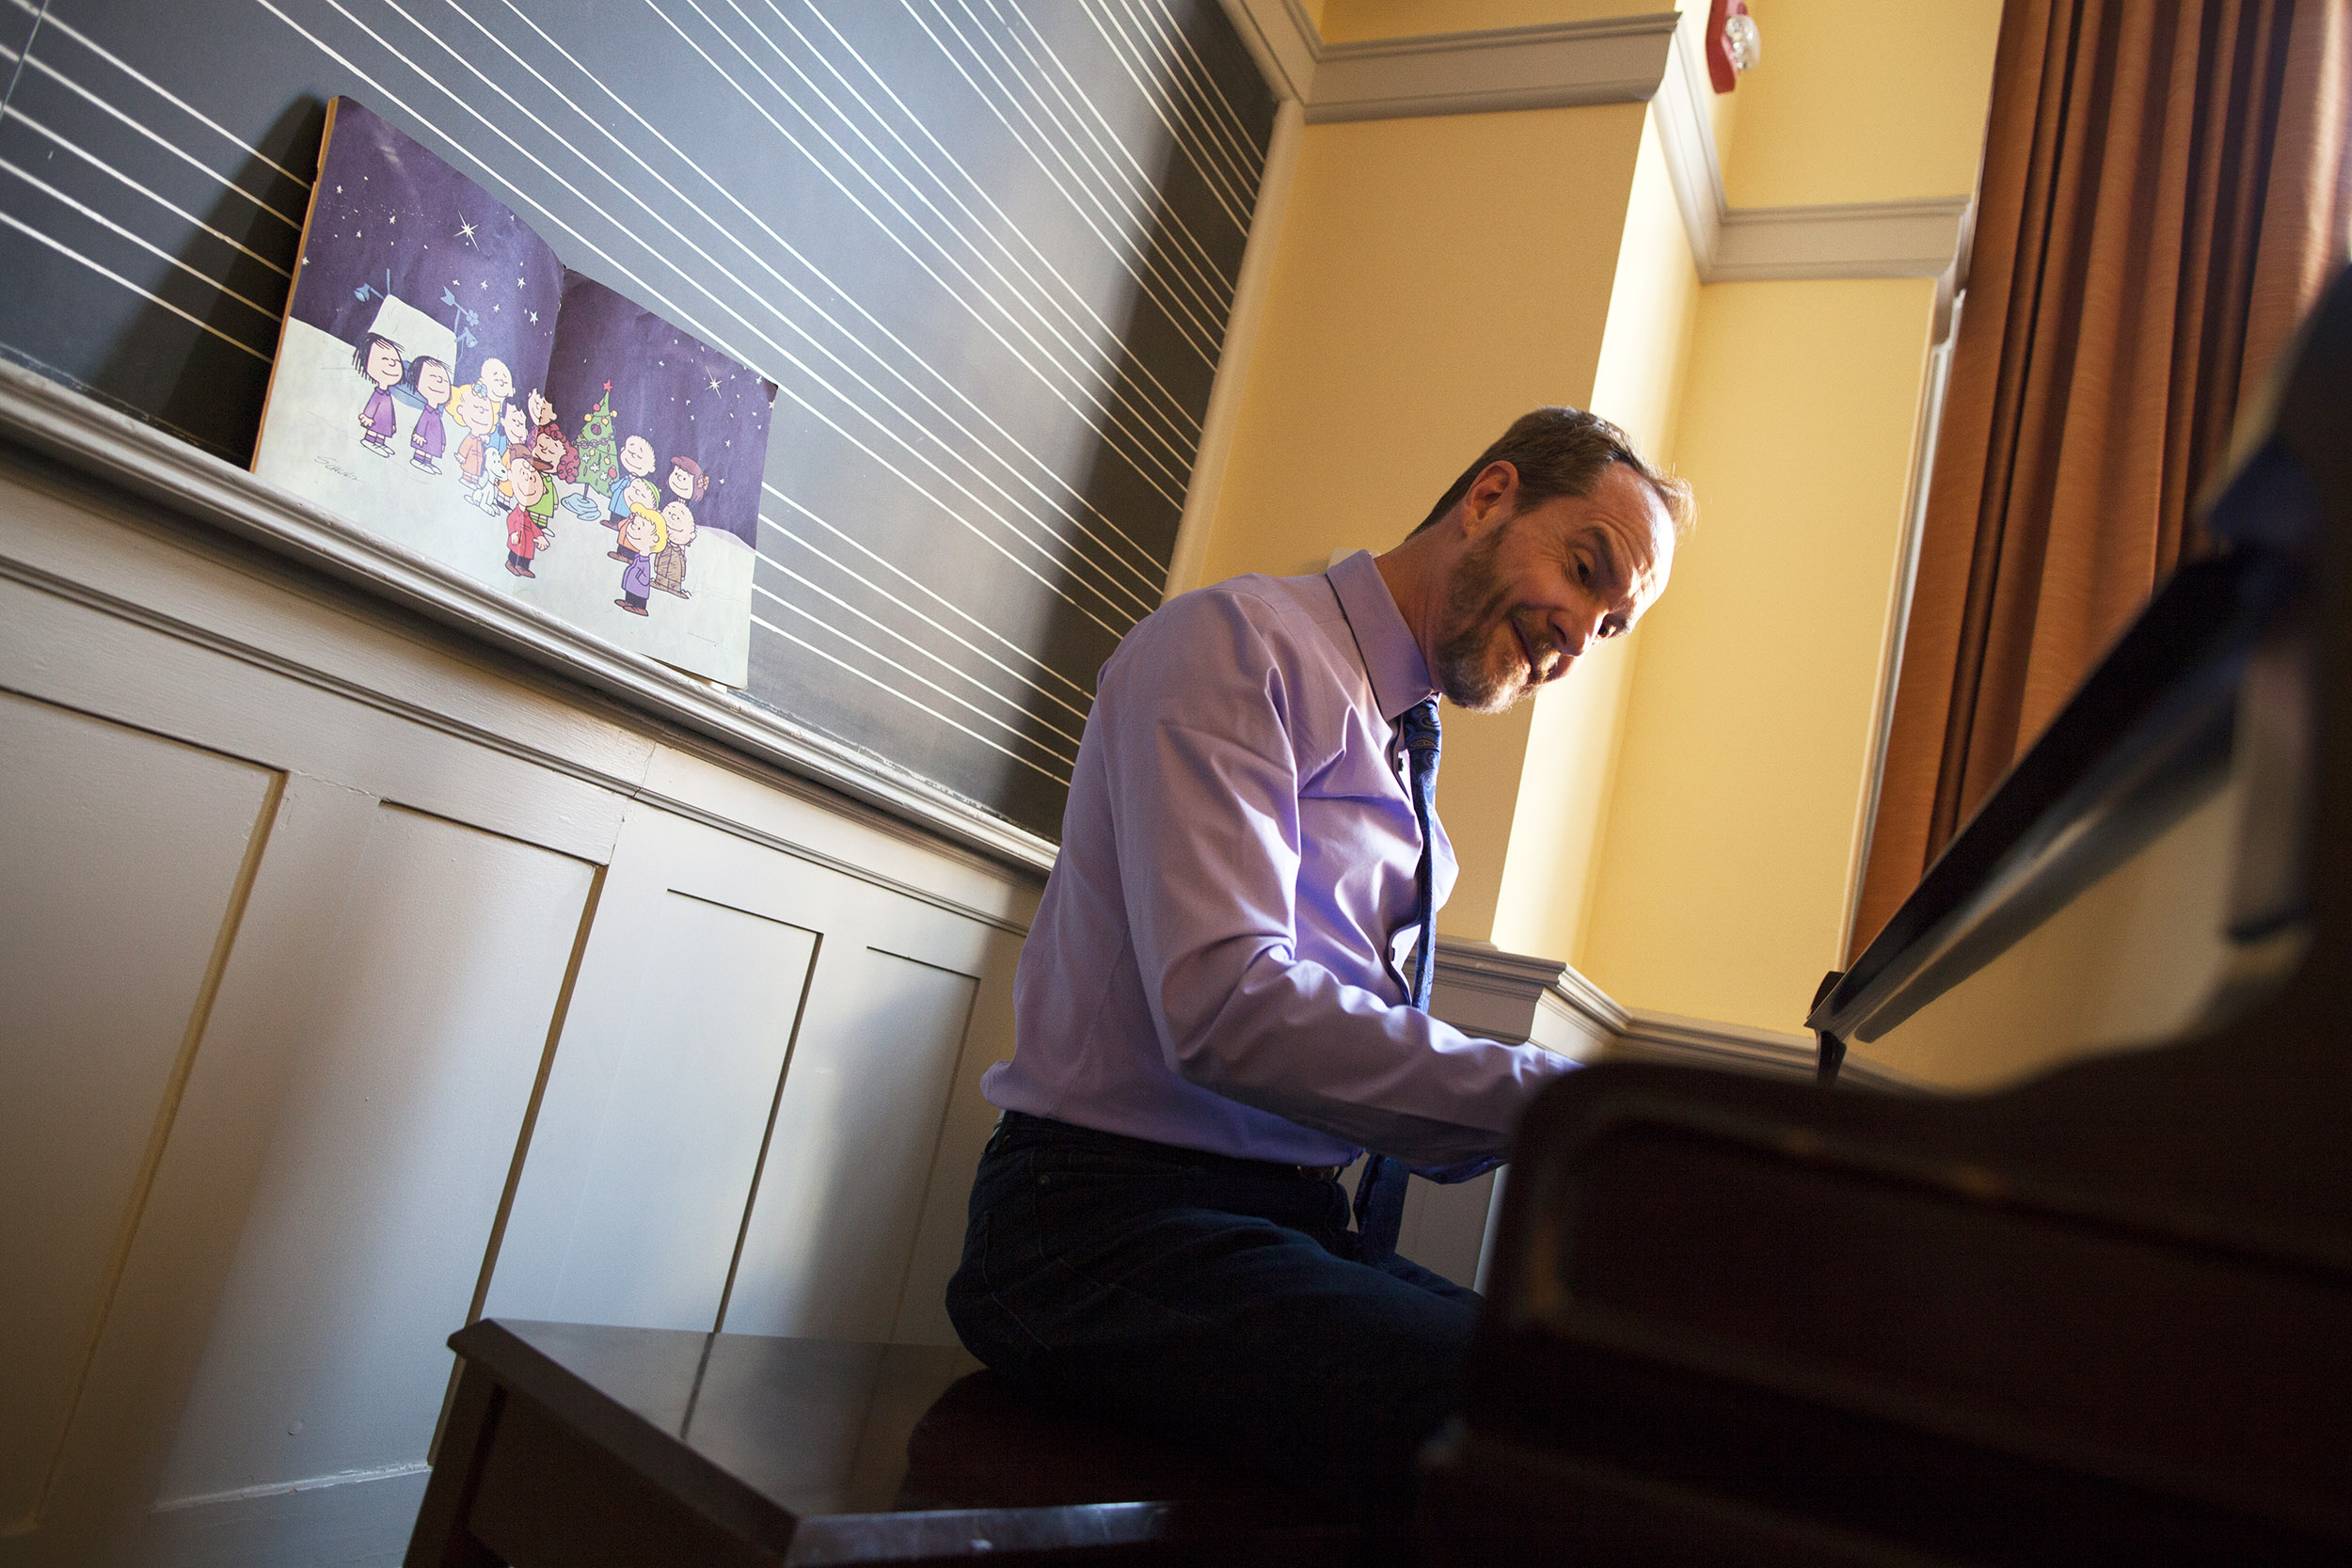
<point x="42" y="415"/>
<point x="1607" y="60"/>
<point x="1617" y="60"/>
<point x="1654" y="57"/>
<point x="1862" y="239"/>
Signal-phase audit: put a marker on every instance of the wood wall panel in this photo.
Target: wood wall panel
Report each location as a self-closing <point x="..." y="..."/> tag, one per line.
<point x="718" y="991"/>
<point x="120" y="861"/>
<point x="832" y="1227"/>
<point x="657" y="1106"/>
<point x="363" y="1244"/>
<point x="471" y="886"/>
<point x="964" y="1129"/>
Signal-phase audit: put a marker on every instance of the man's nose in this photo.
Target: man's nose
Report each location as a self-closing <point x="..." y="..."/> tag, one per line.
<point x="1578" y="629"/>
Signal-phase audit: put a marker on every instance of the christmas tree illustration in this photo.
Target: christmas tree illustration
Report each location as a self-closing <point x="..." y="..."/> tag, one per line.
<point x="599" y="454"/>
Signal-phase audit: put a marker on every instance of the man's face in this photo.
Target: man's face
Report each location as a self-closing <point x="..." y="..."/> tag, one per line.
<point x="1536" y="591"/>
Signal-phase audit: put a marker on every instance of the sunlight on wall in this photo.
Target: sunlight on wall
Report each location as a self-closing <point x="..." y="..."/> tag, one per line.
<point x="1862" y="100"/>
<point x="1563" y="797"/>
<point x="1677" y="817"/>
<point x="1722" y="889"/>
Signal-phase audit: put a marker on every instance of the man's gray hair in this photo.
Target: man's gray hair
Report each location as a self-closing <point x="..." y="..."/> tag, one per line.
<point x="1561" y="451"/>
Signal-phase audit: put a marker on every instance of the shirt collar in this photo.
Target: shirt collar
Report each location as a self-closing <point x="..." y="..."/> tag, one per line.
<point x="1400" y="676"/>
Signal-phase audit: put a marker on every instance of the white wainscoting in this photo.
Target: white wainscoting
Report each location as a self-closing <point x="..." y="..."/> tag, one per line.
<point x="360" y="976"/>
<point x="363" y="976"/>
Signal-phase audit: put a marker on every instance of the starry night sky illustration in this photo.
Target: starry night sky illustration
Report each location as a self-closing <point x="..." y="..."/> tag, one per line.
<point x="392" y="218"/>
<point x="687" y="399"/>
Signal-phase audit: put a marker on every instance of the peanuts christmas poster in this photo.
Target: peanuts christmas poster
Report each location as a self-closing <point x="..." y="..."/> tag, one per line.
<point x="444" y="382"/>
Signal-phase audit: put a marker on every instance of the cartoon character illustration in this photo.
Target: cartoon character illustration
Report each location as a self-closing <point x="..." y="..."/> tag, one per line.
<point x="637" y="493"/>
<point x="511" y="431"/>
<point x="526" y="533"/>
<point x="554" y="455"/>
<point x="687" y="481"/>
<point x="500" y="445"/>
<point x="636" y="469"/>
<point x="644" y="533"/>
<point x="542" y="503"/>
<point x="470" y="406"/>
<point x="540" y="411"/>
<point x="497" y="383"/>
<point x="378" y="359"/>
<point x="669" y="564"/>
<point x="429" y="379"/>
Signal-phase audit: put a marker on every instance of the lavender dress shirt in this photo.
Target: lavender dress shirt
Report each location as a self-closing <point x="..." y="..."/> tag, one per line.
<point x="1212" y="963"/>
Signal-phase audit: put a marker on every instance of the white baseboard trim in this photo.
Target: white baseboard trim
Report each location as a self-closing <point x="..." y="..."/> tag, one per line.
<point x="1702" y="1043"/>
<point x="1739" y="1048"/>
<point x="1654" y="58"/>
<point x="355" y="1520"/>
<point x="1482" y="989"/>
<point x="281" y="1488"/>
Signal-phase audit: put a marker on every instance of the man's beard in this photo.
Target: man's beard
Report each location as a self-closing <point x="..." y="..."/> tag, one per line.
<point x="1469" y="671"/>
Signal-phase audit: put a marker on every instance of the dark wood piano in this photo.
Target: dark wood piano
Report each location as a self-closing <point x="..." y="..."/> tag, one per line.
<point x="2101" y="1315"/>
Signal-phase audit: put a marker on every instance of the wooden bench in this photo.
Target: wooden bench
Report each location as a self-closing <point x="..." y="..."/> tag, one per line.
<point x="579" y="1446"/>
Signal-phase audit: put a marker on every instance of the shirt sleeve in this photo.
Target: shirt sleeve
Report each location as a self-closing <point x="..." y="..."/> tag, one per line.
<point x="1206" y="780"/>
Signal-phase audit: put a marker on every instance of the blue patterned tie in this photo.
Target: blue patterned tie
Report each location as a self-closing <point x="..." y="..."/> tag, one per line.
<point x="1380" y="1190"/>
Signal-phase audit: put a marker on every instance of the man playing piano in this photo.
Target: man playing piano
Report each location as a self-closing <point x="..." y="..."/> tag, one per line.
<point x="1216" y="1011"/>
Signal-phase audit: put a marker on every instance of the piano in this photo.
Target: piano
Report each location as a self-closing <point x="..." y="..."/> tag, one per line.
<point x="2097" y="1311"/>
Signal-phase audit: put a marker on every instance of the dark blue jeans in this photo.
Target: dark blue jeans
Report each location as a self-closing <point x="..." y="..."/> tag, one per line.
<point x="1219" y="1299"/>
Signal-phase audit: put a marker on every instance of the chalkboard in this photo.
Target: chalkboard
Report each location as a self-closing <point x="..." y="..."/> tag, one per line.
<point x="986" y="248"/>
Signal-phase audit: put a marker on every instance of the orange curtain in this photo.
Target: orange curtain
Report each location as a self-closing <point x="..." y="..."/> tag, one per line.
<point x="2165" y="190"/>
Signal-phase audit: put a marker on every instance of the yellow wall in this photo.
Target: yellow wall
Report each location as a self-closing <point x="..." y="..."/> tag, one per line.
<point x="1721" y="885"/>
<point x="1722" y="890"/>
<point x="1678" y="816"/>
<point x="1862" y="101"/>
<point x="1564" y="785"/>
<point x="1437" y="278"/>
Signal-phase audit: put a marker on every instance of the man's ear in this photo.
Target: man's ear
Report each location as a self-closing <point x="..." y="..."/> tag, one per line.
<point x="1491" y="497"/>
